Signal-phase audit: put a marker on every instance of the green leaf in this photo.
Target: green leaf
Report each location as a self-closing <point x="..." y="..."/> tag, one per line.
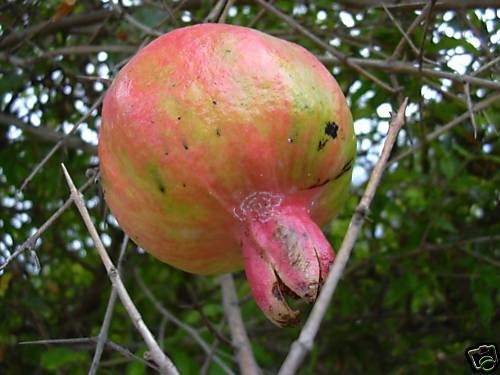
<point x="57" y="358"/>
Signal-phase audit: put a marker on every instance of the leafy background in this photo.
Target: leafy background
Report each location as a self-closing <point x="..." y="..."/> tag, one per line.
<point x="422" y="283"/>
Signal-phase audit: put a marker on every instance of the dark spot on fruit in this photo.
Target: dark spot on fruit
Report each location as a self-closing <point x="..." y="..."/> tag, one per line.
<point x="158" y="181"/>
<point x="318" y="184"/>
<point x="347" y="166"/>
<point x="165" y="153"/>
<point x="186" y="147"/>
<point x="178" y="118"/>
<point x="183" y="185"/>
<point x="322" y="143"/>
<point x="214" y="102"/>
<point x="331" y="129"/>
<point x="172" y="85"/>
<point x="217" y="131"/>
<point x="290" y="140"/>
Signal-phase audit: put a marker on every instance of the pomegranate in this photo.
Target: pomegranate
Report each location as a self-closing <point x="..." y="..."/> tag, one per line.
<point x="222" y="147"/>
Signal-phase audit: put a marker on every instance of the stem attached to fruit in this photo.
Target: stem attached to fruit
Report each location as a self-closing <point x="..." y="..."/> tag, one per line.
<point x="287" y="254"/>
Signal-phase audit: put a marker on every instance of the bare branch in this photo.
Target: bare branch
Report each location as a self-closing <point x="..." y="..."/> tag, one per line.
<point x="91" y="341"/>
<point x="338" y="55"/>
<point x="470" y="108"/>
<point x="215" y="12"/>
<point x="413" y="26"/>
<point x="40" y="165"/>
<point x="393" y="66"/>
<point x="417" y="4"/>
<point x="103" y="333"/>
<point x="190" y="330"/>
<point x="65" y="23"/>
<point x="164" y="363"/>
<point x="87" y="49"/>
<point x="305" y="341"/>
<point x="30" y="242"/>
<point x="443" y="129"/>
<point x="241" y="343"/>
<point x="47" y="134"/>
<point x="224" y="13"/>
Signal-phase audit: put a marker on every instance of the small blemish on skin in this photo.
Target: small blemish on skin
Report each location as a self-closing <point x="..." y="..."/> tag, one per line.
<point x="322" y="143"/>
<point x="178" y="118"/>
<point x="290" y="140"/>
<point x="186" y="147"/>
<point x="183" y="185"/>
<point x="347" y="166"/>
<point x="331" y="129"/>
<point x="214" y="102"/>
<point x="217" y="131"/>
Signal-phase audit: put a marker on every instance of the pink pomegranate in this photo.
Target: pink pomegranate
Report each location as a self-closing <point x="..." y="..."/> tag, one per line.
<point x="222" y="147"/>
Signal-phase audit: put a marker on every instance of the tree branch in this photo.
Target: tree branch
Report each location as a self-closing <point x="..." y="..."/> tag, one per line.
<point x="418" y="4"/>
<point x="92" y="340"/>
<point x="239" y="336"/>
<point x="164" y="363"/>
<point x="30" y="242"/>
<point x="40" y="165"/>
<point x="305" y="341"/>
<point x="48" y="27"/>
<point x="47" y="134"/>
<point x="457" y="120"/>
<point x="338" y="55"/>
<point x="190" y="330"/>
<point x="103" y="333"/>
<point x="392" y="66"/>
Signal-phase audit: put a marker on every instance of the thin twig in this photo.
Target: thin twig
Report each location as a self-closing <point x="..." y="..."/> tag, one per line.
<point x="398" y="26"/>
<point x="40" y="165"/>
<point x="164" y="363"/>
<point x="259" y="15"/>
<point x="224" y="13"/>
<point x="141" y="26"/>
<point x="394" y="66"/>
<point x="339" y="55"/>
<point x="470" y="108"/>
<point x="46" y="134"/>
<point x="413" y="26"/>
<point x="241" y="343"/>
<point x="190" y="330"/>
<point x="91" y="341"/>
<point x="103" y="333"/>
<point x="443" y="129"/>
<point x="424" y="37"/>
<point x="30" y="242"/>
<point x="215" y="12"/>
<point x="305" y="341"/>
<point x="486" y="66"/>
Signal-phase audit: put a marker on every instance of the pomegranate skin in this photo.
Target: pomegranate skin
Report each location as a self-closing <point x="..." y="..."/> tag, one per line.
<point x="210" y="133"/>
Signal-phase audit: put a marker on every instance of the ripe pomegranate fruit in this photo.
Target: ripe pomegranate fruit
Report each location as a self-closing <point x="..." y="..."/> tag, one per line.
<point x="222" y="147"/>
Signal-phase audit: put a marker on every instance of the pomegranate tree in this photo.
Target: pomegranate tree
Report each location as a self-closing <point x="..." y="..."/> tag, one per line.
<point x="222" y="147"/>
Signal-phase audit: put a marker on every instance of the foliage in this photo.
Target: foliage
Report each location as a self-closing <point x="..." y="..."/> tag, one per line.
<point x="422" y="284"/>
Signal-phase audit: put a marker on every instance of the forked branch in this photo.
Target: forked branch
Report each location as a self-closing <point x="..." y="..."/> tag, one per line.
<point x="164" y="363"/>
